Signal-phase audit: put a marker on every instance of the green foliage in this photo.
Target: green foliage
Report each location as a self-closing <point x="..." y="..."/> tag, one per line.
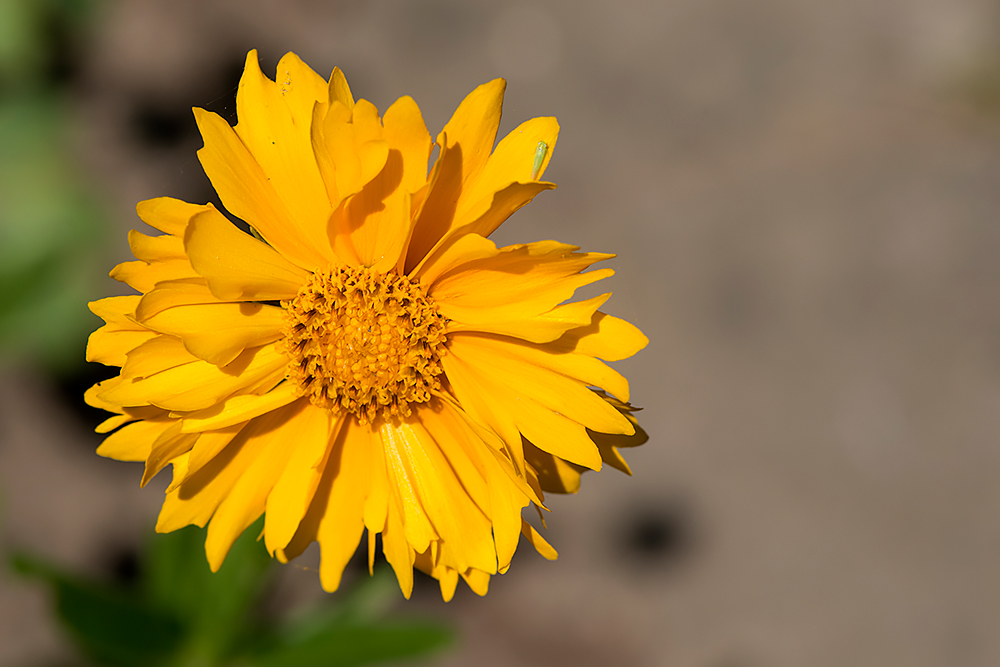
<point x="183" y="615"/>
<point x="50" y="230"/>
<point x="215" y="608"/>
<point x="351" y="645"/>
<point x="110" y="626"/>
<point x="50" y="223"/>
<point x="352" y="632"/>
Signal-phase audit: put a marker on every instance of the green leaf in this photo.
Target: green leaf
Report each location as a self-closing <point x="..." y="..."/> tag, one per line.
<point x="50" y="235"/>
<point x="366" y="600"/>
<point x="216" y="608"/>
<point x="111" y="626"/>
<point x="352" y="645"/>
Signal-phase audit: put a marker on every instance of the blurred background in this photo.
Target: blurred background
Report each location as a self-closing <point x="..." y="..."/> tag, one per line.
<point x="804" y="200"/>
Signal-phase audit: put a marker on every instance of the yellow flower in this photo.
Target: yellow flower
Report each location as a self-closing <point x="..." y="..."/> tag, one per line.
<point x="367" y="359"/>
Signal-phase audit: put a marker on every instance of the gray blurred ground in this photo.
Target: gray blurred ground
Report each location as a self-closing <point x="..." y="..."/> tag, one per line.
<point x="804" y="199"/>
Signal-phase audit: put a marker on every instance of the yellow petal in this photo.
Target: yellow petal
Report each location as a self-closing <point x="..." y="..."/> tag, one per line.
<point x="488" y="214"/>
<point x="436" y="483"/>
<point x="511" y="162"/>
<point x="460" y="251"/>
<point x="557" y="434"/>
<point x="300" y="88"/>
<point x="339" y="91"/>
<point x="220" y="332"/>
<point x="471" y="394"/>
<point x="542" y="328"/>
<point x="545" y="407"/>
<point x="608" y="443"/>
<point x="515" y="157"/>
<point x="492" y="488"/>
<point x="111" y="423"/>
<point x="134" y="442"/>
<point x="477" y="580"/>
<point x="92" y="396"/>
<point x="366" y="122"/>
<point x="155" y="356"/>
<point x="170" y="293"/>
<point x="544" y="548"/>
<point x="473" y="127"/>
<point x="156" y="248"/>
<point x="586" y="370"/>
<point x="403" y="480"/>
<point x="377" y="502"/>
<point x="364" y="225"/>
<point x="458" y="446"/>
<point x="340" y="528"/>
<point x="371" y="553"/>
<point x="448" y="580"/>
<point x="110" y="344"/>
<point x="236" y="265"/>
<point x="466" y="143"/>
<point x="366" y="171"/>
<point x="606" y="337"/>
<point x="405" y="131"/>
<point x="382" y="244"/>
<point x="131" y="414"/>
<point x="433" y="220"/>
<point x="168" y="214"/>
<point x="238" y="409"/>
<point x="247" y="193"/>
<point x="289" y="499"/>
<point x="267" y="382"/>
<point x="505" y="509"/>
<point x="168" y="446"/>
<point x="208" y="446"/>
<point x="194" y="496"/>
<point x="116" y="310"/>
<point x="611" y="455"/>
<point x="372" y="156"/>
<point x="324" y="160"/>
<point x="520" y="376"/>
<point x="337" y="504"/>
<point x="494" y="447"/>
<point x="339" y="156"/>
<point x="267" y="438"/>
<point x="554" y="474"/>
<point x="520" y="281"/>
<point x="143" y="277"/>
<point x="199" y="384"/>
<point x="274" y="125"/>
<point x="397" y="550"/>
<point x="349" y="152"/>
<point x="179" y="473"/>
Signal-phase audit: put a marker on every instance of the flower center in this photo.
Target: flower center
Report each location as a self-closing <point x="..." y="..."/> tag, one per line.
<point x="364" y="342"/>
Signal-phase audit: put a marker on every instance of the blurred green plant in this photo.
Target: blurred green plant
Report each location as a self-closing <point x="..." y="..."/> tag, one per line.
<point x="50" y="230"/>
<point x="182" y="615"/>
<point x="50" y="223"/>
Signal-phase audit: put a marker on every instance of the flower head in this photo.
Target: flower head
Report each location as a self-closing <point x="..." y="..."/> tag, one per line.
<point x="365" y="359"/>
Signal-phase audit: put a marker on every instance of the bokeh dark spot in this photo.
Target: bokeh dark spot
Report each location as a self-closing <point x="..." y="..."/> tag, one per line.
<point x="659" y="535"/>
<point x="168" y="122"/>
<point x="71" y="384"/>
<point x="226" y="79"/>
<point x="62" y="50"/>
<point x="123" y="565"/>
<point x="162" y="127"/>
